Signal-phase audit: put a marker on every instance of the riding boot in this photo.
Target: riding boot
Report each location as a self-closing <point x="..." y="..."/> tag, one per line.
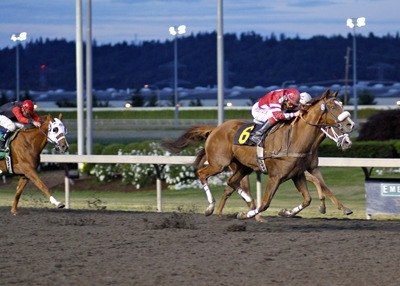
<point x="3" y="140"/>
<point x="257" y="137"/>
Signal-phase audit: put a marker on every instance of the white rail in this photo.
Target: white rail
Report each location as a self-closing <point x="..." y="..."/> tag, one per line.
<point x="183" y="160"/>
<point x="186" y="160"/>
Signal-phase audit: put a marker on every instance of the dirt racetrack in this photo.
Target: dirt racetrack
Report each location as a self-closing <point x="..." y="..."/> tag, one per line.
<point x="76" y="247"/>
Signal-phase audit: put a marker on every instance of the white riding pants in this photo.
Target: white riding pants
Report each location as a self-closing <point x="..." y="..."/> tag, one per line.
<point x="7" y="123"/>
<point x="260" y="115"/>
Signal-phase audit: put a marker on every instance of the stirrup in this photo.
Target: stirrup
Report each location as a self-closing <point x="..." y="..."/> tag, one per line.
<point x="260" y="159"/>
<point x="255" y="140"/>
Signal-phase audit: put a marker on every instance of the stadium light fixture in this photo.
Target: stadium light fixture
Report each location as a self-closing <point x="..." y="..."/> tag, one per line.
<point x="17" y="38"/>
<point x="175" y="31"/>
<point x="352" y="23"/>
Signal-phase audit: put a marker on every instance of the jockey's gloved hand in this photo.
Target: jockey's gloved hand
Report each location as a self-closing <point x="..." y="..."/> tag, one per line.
<point x="37" y="124"/>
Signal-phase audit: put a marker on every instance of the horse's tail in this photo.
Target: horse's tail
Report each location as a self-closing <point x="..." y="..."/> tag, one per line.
<point x="201" y="159"/>
<point x="192" y="136"/>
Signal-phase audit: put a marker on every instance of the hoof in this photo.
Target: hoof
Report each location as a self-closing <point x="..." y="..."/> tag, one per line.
<point x="284" y="213"/>
<point x="60" y="205"/>
<point x="259" y="218"/>
<point x="322" y="209"/>
<point x="241" y="216"/>
<point x="209" y="211"/>
<point x="347" y="211"/>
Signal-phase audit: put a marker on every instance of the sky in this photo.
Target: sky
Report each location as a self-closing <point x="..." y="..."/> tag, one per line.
<point x="115" y="21"/>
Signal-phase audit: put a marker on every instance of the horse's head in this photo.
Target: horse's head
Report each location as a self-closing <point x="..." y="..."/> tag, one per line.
<point x="56" y="132"/>
<point x="329" y="112"/>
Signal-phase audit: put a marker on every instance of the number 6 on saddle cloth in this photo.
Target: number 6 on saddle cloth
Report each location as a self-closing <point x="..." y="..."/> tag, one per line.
<point x="246" y="130"/>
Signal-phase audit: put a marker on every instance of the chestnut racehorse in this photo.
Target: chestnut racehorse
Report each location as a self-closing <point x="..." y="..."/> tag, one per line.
<point x="200" y="133"/>
<point x="289" y="152"/>
<point x="342" y="141"/>
<point x="25" y="151"/>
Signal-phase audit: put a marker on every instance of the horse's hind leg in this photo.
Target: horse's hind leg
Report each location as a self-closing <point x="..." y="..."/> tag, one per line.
<point x="315" y="181"/>
<point x="317" y="173"/>
<point x="20" y="187"/>
<point x="203" y="174"/>
<point x="243" y="190"/>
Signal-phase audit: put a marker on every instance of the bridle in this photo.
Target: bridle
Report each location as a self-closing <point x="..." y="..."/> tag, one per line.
<point x="335" y="137"/>
<point x="326" y="110"/>
<point x="339" y="139"/>
<point x="56" y="131"/>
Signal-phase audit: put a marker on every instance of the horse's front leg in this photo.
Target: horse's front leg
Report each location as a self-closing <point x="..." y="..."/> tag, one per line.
<point x="34" y="177"/>
<point x="20" y="187"/>
<point x="315" y="181"/>
<point x="301" y="185"/>
<point x="317" y="173"/>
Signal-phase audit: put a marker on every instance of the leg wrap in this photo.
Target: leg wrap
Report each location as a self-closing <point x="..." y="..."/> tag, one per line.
<point x="252" y="213"/>
<point x="297" y="209"/>
<point x="210" y="197"/>
<point x="53" y="201"/>
<point x="244" y="195"/>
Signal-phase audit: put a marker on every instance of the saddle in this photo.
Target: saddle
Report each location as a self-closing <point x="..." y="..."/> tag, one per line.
<point x="242" y="138"/>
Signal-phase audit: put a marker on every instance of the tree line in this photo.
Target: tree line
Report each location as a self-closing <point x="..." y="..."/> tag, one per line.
<point x="250" y="60"/>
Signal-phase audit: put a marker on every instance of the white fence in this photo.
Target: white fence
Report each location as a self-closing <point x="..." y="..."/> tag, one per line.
<point x="187" y="160"/>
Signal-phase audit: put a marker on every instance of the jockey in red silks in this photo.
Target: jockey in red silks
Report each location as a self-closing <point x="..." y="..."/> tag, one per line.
<point x="277" y="105"/>
<point x="21" y="112"/>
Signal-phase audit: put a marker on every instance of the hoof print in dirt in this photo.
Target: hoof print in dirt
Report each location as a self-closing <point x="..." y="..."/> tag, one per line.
<point x="236" y="227"/>
<point x="176" y="220"/>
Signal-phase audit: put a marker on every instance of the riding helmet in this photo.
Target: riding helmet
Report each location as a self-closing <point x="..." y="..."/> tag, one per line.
<point x="293" y="96"/>
<point x="28" y="105"/>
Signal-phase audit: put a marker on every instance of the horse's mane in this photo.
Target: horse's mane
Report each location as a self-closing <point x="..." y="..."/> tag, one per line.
<point x="46" y="118"/>
<point x="313" y="101"/>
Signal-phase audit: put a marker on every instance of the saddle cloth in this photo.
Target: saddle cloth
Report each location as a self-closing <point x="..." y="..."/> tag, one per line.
<point x="6" y="154"/>
<point x="243" y="134"/>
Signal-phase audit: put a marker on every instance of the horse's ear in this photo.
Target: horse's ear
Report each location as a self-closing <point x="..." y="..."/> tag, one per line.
<point x="326" y="93"/>
<point x="60" y="116"/>
<point x="335" y="94"/>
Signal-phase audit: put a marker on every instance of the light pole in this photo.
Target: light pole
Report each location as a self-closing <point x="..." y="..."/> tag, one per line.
<point x="352" y="23"/>
<point x="175" y="31"/>
<point x="15" y="38"/>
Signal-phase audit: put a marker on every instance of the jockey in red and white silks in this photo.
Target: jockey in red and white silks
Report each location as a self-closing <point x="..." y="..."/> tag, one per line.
<point x="272" y="106"/>
<point x="277" y="105"/>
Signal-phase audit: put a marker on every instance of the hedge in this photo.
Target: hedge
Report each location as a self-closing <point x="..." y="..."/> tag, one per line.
<point x="365" y="149"/>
